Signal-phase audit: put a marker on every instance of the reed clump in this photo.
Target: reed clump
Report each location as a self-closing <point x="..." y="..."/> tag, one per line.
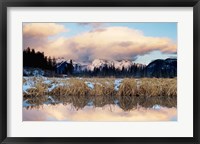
<point x="103" y="94"/>
<point x="127" y="93"/>
<point x="158" y="91"/>
<point x="150" y="87"/>
<point x="38" y="90"/>
<point x="75" y="92"/>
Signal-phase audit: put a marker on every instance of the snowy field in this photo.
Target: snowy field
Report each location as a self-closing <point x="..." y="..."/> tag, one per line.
<point x="53" y="83"/>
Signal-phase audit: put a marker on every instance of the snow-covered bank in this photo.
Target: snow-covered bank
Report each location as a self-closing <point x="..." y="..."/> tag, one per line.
<point x="117" y="83"/>
<point x="53" y="83"/>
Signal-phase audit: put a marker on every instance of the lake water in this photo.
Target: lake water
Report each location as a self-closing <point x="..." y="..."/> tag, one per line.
<point x="60" y="112"/>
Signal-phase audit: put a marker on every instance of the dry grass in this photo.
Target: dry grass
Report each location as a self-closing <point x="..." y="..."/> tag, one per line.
<point x="71" y="88"/>
<point x="132" y="92"/>
<point x="126" y="94"/>
<point x="102" y="95"/>
<point x="157" y="87"/>
<point x="157" y="91"/>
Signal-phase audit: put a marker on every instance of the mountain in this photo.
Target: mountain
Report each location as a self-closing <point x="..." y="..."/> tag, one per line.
<point x="101" y="63"/>
<point x="60" y="60"/>
<point x="102" y="67"/>
<point x="162" y="68"/>
<point x="77" y="66"/>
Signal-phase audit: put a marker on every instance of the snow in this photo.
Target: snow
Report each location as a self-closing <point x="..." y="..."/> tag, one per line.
<point x="89" y="84"/>
<point x="28" y="85"/>
<point x="59" y="60"/>
<point x="33" y="72"/>
<point x="27" y="72"/>
<point x="60" y="64"/>
<point x="156" y="107"/>
<point x="100" y="63"/>
<point x="90" y="103"/>
<point x="31" y="82"/>
<point x="38" y="72"/>
<point x="52" y="100"/>
<point x="47" y="82"/>
<point x="79" y="78"/>
<point x="26" y="104"/>
<point x="117" y="83"/>
<point x="124" y="63"/>
<point x="53" y="86"/>
<point x="116" y="102"/>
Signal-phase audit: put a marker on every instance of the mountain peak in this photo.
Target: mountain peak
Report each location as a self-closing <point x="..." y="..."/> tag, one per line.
<point x="118" y="64"/>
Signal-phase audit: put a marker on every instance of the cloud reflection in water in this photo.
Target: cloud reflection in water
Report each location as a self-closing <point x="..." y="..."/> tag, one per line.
<point x="62" y="112"/>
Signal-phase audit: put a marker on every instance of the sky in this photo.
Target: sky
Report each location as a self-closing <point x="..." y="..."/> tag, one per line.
<point x="84" y="42"/>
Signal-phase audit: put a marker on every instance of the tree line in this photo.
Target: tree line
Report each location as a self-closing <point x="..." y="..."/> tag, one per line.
<point x="133" y="71"/>
<point x="38" y="60"/>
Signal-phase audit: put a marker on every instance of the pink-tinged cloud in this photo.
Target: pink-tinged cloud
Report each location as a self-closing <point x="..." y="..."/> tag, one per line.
<point x="42" y="29"/>
<point x="35" y="35"/>
<point x="106" y="43"/>
<point x="92" y="24"/>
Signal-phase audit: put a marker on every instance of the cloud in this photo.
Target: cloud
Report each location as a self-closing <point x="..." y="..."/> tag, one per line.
<point x="92" y="24"/>
<point x="107" y="43"/>
<point x="35" y="35"/>
<point x="42" y="29"/>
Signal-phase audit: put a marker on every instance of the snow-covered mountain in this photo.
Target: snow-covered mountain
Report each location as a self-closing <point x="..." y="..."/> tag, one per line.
<point x="78" y="67"/>
<point x="100" y="63"/>
<point x="60" y="60"/>
<point x="123" y="63"/>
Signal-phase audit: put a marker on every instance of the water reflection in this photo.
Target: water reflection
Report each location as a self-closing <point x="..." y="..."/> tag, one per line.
<point x="60" y="112"/>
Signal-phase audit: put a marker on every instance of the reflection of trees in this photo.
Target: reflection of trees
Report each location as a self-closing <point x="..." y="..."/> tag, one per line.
<point x="126" y="103"/>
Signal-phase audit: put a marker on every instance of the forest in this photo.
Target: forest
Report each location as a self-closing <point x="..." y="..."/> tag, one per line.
<point x="38" y="60"/>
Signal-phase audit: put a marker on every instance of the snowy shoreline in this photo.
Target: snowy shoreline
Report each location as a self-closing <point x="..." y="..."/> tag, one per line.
<point x="126" y="93"/>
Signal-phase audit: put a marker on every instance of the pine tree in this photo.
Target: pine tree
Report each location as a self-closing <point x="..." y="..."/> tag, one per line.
<point x="49" y="63"/>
